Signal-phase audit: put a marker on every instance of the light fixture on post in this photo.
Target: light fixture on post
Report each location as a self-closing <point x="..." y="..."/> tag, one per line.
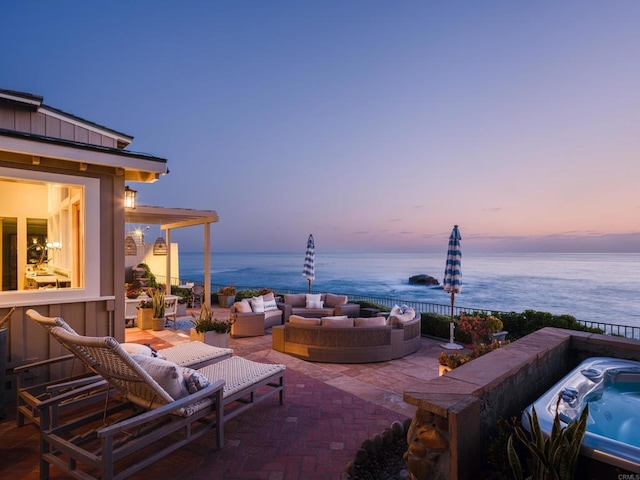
<point x="160" y="247"/>
<point x="129" y="197"/>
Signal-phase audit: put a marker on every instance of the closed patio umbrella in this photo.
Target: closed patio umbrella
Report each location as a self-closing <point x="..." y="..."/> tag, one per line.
<point x="308" y="270"/>
<point x="453" y="279"/>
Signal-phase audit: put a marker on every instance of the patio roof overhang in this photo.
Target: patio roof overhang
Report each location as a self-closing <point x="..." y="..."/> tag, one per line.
<point x="172" y="218"/>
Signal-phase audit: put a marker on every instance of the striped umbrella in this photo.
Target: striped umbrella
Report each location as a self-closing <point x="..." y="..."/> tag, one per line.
<point x="453" y="278"/>
<point x="308" y="270"/>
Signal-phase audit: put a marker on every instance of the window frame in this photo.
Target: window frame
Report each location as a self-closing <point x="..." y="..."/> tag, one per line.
<point x="92" y="246"/>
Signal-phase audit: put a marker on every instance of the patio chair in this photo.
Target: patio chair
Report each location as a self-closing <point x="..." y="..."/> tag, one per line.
<point x="192" y="354"/>
<point x="162" y="408"/>
<point x="197" y="294"/>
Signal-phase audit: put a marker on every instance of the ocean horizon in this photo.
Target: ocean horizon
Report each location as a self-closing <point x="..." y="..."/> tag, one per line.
<point x="593" y="287"/>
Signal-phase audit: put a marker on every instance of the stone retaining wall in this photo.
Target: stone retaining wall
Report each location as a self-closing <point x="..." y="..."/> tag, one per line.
<point x="459" y="411"/>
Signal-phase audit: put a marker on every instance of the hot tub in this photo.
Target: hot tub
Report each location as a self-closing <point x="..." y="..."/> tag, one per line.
<point x="611" y="387"/>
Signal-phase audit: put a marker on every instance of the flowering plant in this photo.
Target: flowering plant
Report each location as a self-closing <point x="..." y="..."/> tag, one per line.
<point x="483" y="325"/>
<point x="206" y="323"/>
<point x="228" y="290"/>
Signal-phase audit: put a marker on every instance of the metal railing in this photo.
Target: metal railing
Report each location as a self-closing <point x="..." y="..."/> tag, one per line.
<point x="625" y="331"/>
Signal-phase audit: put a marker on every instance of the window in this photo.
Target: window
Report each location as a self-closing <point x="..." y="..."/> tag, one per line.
<point x="45" y="234"/>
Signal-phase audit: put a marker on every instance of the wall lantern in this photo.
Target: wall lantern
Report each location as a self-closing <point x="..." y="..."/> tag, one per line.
<point x="160" y="247"/>
<point x="130" y="247"/>
<point x="130" y="197"/>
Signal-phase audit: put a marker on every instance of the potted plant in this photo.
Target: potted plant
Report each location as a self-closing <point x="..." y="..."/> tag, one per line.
<point x="226" y="296"/>
<point x="210" y="330"/>
<point x="157" y="300"/>
<point x="144" y="314"/>
<point x="481" y="327"/>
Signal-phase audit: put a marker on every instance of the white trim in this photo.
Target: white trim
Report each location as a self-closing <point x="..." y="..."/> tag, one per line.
<point x="79" y="123"/>
<point x="91" y="234"/>
<point x="20" y="99"/>
<point x="73" y="153"/>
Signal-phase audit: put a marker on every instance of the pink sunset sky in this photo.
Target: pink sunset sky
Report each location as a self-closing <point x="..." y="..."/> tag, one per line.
<point x="374" y="125"/>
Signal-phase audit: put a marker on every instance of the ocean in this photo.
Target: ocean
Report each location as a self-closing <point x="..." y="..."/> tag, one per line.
<point x="591" y="287"/>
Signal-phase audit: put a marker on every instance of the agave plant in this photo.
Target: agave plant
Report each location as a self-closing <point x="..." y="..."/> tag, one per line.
<point x="554" y="457"/>
<point x="157" y="300"/>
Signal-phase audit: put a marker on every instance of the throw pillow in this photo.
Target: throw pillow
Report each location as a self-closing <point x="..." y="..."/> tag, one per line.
<point x="333" y="301"/>
<point x="315" y="304"/>
<point x="269" y="302"/>
<point x="337" y="322"/>
<point x="295" y="300"/>
<point x="267" y="297"/>
<point x="370" y="322"/>
<point x="137" y="349"/>
<point x="335" y="317"/>
<point x="242" y="307"/>
<point x="406" y="316"/>
<point x="313" y="297"/>
<point x="166" y="374"/>
<point x="194" y="380"/>
<point x="297" y="319"/>
<point x="257" y="304"/>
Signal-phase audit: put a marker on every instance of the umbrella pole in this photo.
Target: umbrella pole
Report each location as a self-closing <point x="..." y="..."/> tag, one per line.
<point x="451" y="345"/>
<point x="309" y="280"/>
<point x="451" y="326"/>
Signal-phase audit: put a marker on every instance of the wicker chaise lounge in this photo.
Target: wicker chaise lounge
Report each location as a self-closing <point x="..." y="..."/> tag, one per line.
<point x="104" y="442"/>
<point x="193" y="355"/>
<point x="150" y="383"/>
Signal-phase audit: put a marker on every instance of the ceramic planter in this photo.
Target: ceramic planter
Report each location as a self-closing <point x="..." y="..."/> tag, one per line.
<point x="144" y="317"/>
<point x="214" y="339"/>
<point x="226" y="300"/>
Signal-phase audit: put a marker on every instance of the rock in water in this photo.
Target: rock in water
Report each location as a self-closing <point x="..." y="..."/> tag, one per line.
<point x="423" y="279"/>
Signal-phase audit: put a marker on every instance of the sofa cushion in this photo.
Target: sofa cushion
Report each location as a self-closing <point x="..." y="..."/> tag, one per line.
<point x="296" y="319"/>
<point x="242" y="307"/>
<point x="257" y="304"/>
<point x="272" y="313"/>
<point x="337" y="322"/>
<point x="332" y="300"/>
<point x="295" y="300"/>
<point x="370" y="322"/>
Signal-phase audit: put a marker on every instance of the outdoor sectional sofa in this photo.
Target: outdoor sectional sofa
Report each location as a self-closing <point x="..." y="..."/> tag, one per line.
<point x="255" y="315"/>
<point x="317" y="305"/>
<point x="347" y="340"/>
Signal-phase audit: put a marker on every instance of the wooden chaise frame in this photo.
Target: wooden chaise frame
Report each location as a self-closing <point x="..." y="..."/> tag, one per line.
<point x="242" y="383"/>
<point x="194" y="355"/>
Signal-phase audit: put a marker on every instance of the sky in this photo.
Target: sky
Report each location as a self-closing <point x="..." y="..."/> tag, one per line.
<point x="373" y="125"/>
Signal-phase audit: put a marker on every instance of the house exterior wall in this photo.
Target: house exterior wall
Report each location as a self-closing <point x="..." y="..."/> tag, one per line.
<point x="21" y="119"/>
<point x="28" y="342"/>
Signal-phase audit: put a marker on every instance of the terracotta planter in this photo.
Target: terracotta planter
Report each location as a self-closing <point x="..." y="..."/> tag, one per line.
<point x="226" y="300"/>
<point x="158" y="324"/>
<point x="214" y="339"/>
<point x="144" y="318"/>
